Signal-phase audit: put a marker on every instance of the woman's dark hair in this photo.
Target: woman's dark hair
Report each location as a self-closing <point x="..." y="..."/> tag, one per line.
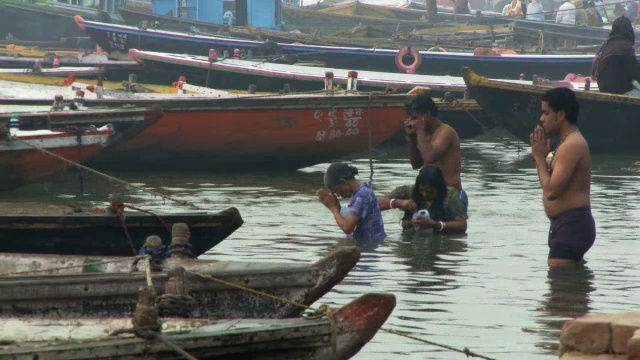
<point x="431" y="175"/>
<point x="337" y="172"/>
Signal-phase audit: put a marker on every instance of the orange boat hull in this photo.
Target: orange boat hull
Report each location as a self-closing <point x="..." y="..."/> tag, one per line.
<point x="28" y="166"/>
<point x="290" y="137"/>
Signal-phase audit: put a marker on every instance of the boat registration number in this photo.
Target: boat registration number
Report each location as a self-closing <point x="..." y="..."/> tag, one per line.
<point x="338" y="123"/>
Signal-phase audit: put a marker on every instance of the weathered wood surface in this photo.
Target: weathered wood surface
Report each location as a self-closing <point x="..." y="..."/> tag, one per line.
<point x="356" y="323"/>
<point x="90" y="289"/>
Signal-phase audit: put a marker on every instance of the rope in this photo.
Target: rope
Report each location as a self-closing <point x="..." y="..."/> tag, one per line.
<point x="172" y="305"/>
<point x="150" y="213"/>
<point x="109" y="177"/>
<point x="151" y="333"/>
<point x="322" y="308"/>
<point x="75" y="266"/>
<point x="465" y="351"/>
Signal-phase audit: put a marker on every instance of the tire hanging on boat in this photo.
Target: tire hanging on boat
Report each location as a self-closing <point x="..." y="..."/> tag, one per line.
<point x="417" y="59"/>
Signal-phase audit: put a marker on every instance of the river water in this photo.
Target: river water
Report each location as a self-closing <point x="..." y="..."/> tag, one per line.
<point x="489" y="290"/>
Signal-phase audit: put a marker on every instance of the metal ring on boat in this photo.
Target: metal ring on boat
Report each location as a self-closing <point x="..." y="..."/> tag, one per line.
<point x="417" y="59"/>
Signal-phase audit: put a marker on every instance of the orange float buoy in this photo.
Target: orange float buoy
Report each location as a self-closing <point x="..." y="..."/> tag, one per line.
<point x="417" y="59"/>
<point x="437" y="48"/>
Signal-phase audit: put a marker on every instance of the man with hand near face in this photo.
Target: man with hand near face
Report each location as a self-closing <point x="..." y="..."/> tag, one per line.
<point x="433" y="142"/>
<point x="566" y="184"/>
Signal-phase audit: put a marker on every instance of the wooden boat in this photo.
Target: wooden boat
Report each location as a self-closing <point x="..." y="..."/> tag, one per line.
<point x="38" y="22"/>
<point x="528" y="30"/>
<point x="23" y="163"/>
<point x="58" y="286"/>
<point x="339" y="337"/>
<point x="288" y="131"/>
<point x="440" y="63"/>
<point x="360" y="36"/>
<point x="70" y="61"/>
<point x="32" y="228"/>
<point x="516" y="107"/>
<point x="60" y="71"/>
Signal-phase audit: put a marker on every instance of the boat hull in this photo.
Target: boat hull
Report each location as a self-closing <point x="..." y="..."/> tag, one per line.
<point x="286" y="131"/>
<point x="517" y="108"/>
<point x="22" y="162"/>
<point x="353" y="326"/>
<point x="102" y="234"/>
<point x="123" y="38"/>
<point x="70" y="286"/>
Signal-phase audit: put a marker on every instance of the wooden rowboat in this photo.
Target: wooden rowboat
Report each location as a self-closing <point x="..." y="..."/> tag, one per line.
<point x="516" y="107"/>
<point x="287" y="131"/>
<point x="72" y="286"/>
<point x="439" y="63"/>
<point x="340" y="337"/>
<point x="21" y="161"/>
<point x="29" y="228"/>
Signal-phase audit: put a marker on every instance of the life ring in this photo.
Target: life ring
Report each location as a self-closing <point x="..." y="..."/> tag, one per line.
<point x="417" y="59"/>
<point x="438" y="48"/>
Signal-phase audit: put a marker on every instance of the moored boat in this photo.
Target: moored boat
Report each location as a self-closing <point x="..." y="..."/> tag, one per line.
<point x="489" y="62"/>
<point x="59" y="71"/>
<point x="516" y="107"/>
<point x="22" y="162"/>
<point x="97" y="286"/>
<point x="340" y="336"/>
<point x="29" y="228"/>
<point x="289" y="131"/>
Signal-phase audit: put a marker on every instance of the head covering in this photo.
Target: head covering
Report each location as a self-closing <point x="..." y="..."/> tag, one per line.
<point x="622" y="29"/>
<point x="578" y="4"/>
<point x="337" y="172"/>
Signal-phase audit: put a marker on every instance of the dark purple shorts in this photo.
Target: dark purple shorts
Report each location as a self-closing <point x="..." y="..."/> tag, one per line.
<point x="571" y="234"/>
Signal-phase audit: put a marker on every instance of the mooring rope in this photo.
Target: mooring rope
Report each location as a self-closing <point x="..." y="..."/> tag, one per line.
<point x="109" y="177"/>
<point x="465" y="351"/>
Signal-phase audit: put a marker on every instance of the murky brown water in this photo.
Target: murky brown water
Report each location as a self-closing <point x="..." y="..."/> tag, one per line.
<point x="489" y="290"/>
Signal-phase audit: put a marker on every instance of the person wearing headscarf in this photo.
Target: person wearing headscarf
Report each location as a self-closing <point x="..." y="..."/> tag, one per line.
<point x="566" y="13"/>
<point x="362" y="221"/>
<point x="445" y="212"/>
<point x="581" y="14"/>
<point x="615" y="65"/>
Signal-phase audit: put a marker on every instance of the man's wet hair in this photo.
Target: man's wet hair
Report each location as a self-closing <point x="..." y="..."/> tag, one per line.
<point x="563" y="99"/>
<point x="421" y="104"/>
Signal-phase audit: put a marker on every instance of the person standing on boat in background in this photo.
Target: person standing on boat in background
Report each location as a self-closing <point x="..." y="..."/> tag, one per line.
<point x="535" y="11"/>
<point x="593" y="15"/>
<point x="363" y="221"/>
<point x="582" y="18"/>
<point x="227" y="18"/>
<point x="428" y="204"/>
<point x="433" y="142"/>
<point x="615" y="66"/>
<point x="566" y="181"/>
<point x="566" y="13"/>
<point x="513" y="9"/>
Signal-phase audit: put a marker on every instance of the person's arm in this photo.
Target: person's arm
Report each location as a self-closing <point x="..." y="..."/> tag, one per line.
<point x="399" y="198"/>
<point x="456" y="226"/>
<point x="346" y="225"/>
<point x="565" y="162"/>
<point x="432" y="148"/>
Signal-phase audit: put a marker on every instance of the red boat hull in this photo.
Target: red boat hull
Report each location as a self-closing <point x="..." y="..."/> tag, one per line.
<point x="280" y="135"/>
<point x="25" y="166"/>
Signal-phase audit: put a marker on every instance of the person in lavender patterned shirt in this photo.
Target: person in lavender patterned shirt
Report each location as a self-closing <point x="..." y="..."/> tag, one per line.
<point x="363" y="221"/>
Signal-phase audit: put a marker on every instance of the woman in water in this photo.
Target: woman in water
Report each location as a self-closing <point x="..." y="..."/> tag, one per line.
<point x="362" y="220"/>
<point x="445" y="211"/>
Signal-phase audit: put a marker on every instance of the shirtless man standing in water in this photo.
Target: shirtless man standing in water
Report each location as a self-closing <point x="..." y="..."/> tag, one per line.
<point x="433" y="142"/>
<point x="566" y="186"/>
